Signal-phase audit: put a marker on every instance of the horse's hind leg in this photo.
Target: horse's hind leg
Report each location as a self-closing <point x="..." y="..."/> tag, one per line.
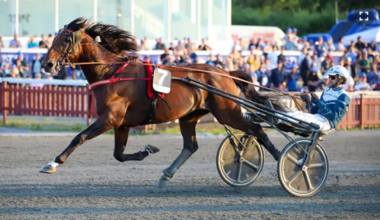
<point x="121" y="138"/>
<point x="234" y="118"/>
<point x="190" y="145"/>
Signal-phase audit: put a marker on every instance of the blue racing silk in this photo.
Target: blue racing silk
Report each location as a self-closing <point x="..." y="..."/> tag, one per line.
<point x="333" y="105"/>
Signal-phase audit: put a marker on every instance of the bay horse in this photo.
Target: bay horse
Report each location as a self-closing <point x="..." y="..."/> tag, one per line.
<point x="124" y="104"/>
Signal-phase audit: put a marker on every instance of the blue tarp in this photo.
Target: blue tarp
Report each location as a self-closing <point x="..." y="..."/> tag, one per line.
<point x="314" y="37"/>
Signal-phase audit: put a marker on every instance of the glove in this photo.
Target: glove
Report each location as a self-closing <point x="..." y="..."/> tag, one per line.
<point x="314" y="98"/>
<point x="304" y="97"/>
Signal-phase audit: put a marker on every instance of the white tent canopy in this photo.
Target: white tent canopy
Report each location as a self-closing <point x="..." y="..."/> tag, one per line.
<point x="372" y="34"/>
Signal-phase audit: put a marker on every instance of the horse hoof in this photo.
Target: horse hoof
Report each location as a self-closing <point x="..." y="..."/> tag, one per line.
<point x="48" y="169"/>
<point x="163" y="183"/>
<point x="151" y="149"/>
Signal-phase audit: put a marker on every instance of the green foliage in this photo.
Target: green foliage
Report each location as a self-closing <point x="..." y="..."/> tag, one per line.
<point x="303" y="20"/>
<point x="36" y="127"/>
<point x="308" y="5"/>
<point x="308" y="16"/>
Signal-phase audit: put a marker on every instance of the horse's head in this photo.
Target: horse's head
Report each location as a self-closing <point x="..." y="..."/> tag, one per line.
<point x="113" y="43"/>
<point x="66" y="46"/>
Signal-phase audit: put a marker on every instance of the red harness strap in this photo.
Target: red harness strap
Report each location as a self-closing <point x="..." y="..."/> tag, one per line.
<point x="113" y="79"/>
<point x="149" y="74"/>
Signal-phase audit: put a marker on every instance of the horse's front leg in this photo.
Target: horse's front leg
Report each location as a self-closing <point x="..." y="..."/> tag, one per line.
<point x="121" y="138"/>
<point x="104" y="123"/>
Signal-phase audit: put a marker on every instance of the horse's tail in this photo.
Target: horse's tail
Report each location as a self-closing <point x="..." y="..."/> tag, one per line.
<point x="251" y="93"/>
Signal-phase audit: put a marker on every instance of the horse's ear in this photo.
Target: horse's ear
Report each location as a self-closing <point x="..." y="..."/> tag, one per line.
<point x="82" y="23"/>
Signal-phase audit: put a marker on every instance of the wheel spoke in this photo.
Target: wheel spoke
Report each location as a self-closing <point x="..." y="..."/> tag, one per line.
<point x="300" y="148"/>
<point x="239" y="174"/>
<point x="291" y="158"/>
<point x="238" y="142"/>
<point x="308" y="182"/>
<point x="316" y="165"/>
<point x="236" y="148"/>
<point x="250" y="164"/>
<point x="312" y="153"/>
<point x="243" y="144"/>
<point x="291" y="179"/>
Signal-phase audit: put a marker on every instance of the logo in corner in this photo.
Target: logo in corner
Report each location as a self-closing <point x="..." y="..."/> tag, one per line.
<point x="364" y="18"/>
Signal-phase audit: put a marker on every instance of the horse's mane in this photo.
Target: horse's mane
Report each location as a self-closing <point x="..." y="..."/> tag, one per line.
<point x="113" y="39"/>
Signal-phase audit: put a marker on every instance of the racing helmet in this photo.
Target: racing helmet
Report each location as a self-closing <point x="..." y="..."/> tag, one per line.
<point x="338" y="70"/>
<point x="341" y="72"/>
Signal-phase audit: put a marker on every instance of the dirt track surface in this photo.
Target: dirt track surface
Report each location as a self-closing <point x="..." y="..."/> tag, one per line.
<point x="93" y="185"/>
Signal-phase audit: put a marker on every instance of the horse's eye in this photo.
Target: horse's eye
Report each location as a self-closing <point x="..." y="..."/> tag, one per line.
<point x="67" y="40"/>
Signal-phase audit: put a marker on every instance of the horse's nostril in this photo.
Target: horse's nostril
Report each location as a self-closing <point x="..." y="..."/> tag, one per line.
<point x="49" y="65"/>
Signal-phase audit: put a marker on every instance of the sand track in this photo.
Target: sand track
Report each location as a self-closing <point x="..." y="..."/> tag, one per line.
<point x="93" y="185"/>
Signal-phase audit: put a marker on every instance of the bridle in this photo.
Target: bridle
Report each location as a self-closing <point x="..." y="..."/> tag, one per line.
<point x="74" y="39"/>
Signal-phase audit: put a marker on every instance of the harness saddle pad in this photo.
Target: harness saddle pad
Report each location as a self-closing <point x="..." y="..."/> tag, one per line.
<point x="149" y="74"/>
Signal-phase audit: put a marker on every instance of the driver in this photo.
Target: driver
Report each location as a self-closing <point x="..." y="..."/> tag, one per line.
<point x="329" y="110"/>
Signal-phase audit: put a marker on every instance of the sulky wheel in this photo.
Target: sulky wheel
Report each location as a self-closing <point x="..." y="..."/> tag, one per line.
<point x="240" y="165"/>
<point x="303" y="181"/>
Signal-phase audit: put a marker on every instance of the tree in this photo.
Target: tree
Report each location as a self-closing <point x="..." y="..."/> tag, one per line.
<point x="309" y="5"/>
<point x="308" y="16"/>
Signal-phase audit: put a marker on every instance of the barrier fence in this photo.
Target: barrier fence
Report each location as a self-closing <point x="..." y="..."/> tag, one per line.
<point x="49" y="100"/>
<point x="363" y="112"/>
<point x="78" y="101"/>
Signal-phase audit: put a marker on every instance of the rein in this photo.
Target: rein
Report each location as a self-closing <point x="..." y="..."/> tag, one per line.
<point x="242" y="80"/>
<point x="293" y="96"/>
<point x="74" y="38"/>
<point x="113" y="79"/>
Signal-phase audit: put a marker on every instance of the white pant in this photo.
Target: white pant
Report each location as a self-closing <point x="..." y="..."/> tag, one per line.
<point x="318" y="119"/>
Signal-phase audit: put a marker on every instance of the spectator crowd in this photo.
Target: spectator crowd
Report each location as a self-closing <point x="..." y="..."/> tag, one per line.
<point x="19" y="67"/>
<point x="265" y="62"/>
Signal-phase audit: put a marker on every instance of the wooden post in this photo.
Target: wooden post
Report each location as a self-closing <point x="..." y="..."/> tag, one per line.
<point x="89" y="105"/>
<point x="29" y="95"/>
<point x="50" y="95"/>
<point x="2" y="99"/>
<point x="84" y="94"/>
<point x="60" y="106"/>
<point x="5" y="102"/>
<point x="362" y="113"/>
